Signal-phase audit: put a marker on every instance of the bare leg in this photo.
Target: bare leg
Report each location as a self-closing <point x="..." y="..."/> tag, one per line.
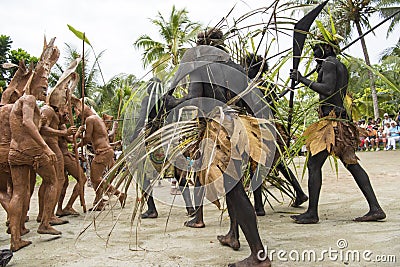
<point x="96" y="173"/>
<point x="256" y="185"/>
<point x="17" y="203"/>
<point x="314" y="166"/>
<point x="184" y="188"/>
<point x="231" y="239"/>
<point x="301" y="197"/>
<point x="59" y="211"/>
<point x="48" y="173"/>
<point x="60" y="174"/>
<point x="76" y="172"/>
<point x="69" y="210"/>
<point x="151" y="212"/>
<point x="5" y="197"/>
<point x="42" y="189"/>
<point x="197" y="221"/>
<point x="111" y="190"/>
<point x="32" y="179"/>
<point x="361" y="177"/>
<point x="258" y="203"/>
<point x="246" y="218"/>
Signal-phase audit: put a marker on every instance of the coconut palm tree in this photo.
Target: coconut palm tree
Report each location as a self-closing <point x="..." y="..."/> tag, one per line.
<point x="111" y="97"/>
<point x="175" y="32"/>
<point x="358" y="13"/>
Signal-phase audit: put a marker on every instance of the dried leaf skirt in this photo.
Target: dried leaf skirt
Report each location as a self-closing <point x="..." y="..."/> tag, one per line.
<point x="230" y="137"/>
<point x="339" y="137"/>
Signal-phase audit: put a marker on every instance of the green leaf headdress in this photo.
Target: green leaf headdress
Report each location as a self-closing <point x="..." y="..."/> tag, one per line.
<point x="327" y="37"/>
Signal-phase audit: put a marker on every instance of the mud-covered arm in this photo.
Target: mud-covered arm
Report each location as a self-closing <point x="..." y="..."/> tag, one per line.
<point x="87" y="137"/>
<point x="69" y="137"/>
<point x="28" y="111"/>
<point x="46" y="130"/>
<point x="113" y="129"/>
<point x="326" y="86"/>
<point x="86" y="131"/>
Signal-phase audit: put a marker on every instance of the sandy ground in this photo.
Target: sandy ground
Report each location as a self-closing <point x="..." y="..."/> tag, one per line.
<point x="336" y="240"/>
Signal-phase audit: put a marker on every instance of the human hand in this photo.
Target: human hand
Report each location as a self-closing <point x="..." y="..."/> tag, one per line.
<point x="295" y="75"/>
<point x="81" y="129"/>
<point x="50" y="154"/>
<point x="115" y="124"/>
<point x="71" y="130"/>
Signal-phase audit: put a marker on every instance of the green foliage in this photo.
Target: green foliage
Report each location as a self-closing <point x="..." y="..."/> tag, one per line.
<point x="175" y="31"/>
<point x="5" y="47"/>
<point x="111" y="97"/>
<point x="11" y="56"/>
<point x="387" y="86"/>
<point x="81" y="35"/>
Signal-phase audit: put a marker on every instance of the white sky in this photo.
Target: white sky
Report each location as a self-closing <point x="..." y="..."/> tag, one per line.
<point x="113" y="26"/>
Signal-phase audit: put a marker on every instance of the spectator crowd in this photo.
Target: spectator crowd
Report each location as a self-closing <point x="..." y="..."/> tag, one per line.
<point x="380" y="133"/>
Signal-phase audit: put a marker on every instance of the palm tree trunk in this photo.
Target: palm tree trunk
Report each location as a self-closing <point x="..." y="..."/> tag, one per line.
<point x="370" y="74"/>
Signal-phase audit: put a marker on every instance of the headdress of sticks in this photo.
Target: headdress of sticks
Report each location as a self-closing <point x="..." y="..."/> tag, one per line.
<point x="65" y="85"/>
<point x="16" y="87"/>
<point x="41" y="72"/>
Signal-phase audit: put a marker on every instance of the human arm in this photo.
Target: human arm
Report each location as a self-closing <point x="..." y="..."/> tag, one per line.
<point x="326" y="86"/>
<point x="113" y="129"/>
<point x="47" y="117"/>
<point x="46" y="130"/>
<point x="28" y="110"/>
<point x="85" y="132"/>
<point x="68" y="137"/>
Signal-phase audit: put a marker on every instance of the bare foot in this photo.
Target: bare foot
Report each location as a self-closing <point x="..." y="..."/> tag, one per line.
<point x="150" y="214"/>
<point x="194" y="224"/>
<point x="98" y="207"/>
<point x="229" y="240"/>
<point x="49" y="230"/>
<point x="260" y="211"/>
<point x="57" y="221"/>
<point x="59" y="213"/>
<point x="372" y="216"/>
<point x="251" y="261"/>
<point x="305" y="218"/>
<point x="299" y="200"/>
<point x="23" y="231"/>
<point x="67" y="212"/>
<point x="15" y="246"/>
<point x="122" y="199"/>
